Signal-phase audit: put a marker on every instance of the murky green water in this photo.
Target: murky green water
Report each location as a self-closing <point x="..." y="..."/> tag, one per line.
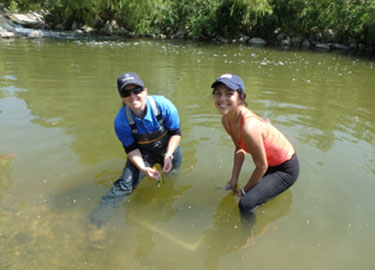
<point x="59" y="155"/>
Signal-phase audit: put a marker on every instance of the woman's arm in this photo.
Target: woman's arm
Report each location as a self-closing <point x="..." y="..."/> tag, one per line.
<point x="135" y="157"/>
<point x="239" y="157"/>
<point x="252" y="136"/>
<point x="173" y="143"/>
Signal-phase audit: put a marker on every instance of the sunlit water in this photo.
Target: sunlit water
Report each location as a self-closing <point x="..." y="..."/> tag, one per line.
<point x="59" y="155"/>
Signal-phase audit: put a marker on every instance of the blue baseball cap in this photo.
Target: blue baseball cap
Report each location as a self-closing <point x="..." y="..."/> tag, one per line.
<point x="231" y="81"/>
<point x="128" y="78"/>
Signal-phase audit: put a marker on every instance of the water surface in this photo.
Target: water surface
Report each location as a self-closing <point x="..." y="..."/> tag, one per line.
<point x="59" y="155"/>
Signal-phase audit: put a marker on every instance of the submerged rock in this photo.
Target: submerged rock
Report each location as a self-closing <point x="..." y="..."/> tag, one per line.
<point x="297" y="40"/>
<point x="337" y="46"/>
<point x="306" y="43"/>
<point x="322" y="46"/>
<point x="179" y="35"/>
<point x="35" y="34"/>
<point x="353" y="46"/>
<point x="243" y="38"/>
<point x="285" y="42"/>
<point x="257" y="41"/>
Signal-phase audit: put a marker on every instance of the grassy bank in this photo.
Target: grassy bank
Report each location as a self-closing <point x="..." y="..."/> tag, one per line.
<point x="341" y="21"/>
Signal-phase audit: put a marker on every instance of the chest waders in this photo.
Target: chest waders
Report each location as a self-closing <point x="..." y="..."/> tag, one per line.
<point x="155" y="142"/>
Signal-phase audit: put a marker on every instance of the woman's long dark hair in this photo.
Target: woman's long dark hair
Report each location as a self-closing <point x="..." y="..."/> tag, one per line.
<point x="242" y="96"/>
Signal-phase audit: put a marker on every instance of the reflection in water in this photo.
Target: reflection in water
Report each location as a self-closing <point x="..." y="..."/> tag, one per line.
<point x="268" y="214"/>
<point x="232" y="232"/>
<point x="148" y="208"/>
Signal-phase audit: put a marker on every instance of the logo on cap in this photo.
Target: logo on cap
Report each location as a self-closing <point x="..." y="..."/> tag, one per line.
<point x="127" y="77"/>
<point x="227" y="76"/>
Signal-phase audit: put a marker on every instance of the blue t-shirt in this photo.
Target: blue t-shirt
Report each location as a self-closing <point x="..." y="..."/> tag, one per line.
<point x="149" y="123"/>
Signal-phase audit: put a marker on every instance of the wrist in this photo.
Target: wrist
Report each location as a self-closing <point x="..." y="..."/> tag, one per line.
<point x="234" y="181"/>
<point x="143" y="169"/>
<point x="168" y="155"/>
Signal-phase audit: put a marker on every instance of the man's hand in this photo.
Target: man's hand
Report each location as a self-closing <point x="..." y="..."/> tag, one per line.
<point x="152" y="173"/>
<point x="167" y="163"/>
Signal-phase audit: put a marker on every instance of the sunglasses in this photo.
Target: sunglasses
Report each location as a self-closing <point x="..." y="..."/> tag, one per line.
<point x="126" y="93"/>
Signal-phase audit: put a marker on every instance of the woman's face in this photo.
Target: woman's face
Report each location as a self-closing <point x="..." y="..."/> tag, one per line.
<point x="225" y="99"/>
<point x="136" y="102"/>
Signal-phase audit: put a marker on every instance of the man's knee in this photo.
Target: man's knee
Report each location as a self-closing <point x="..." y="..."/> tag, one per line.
<point x="177" y="156"/>
<point x="117" y="193"/>
<point x="123" y="185"/>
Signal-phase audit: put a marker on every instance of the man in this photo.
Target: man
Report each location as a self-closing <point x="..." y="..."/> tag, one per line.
<point x="149" y="130"/>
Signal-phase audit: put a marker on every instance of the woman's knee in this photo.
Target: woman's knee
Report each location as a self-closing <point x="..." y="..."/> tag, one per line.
<point x="248" y="203"/>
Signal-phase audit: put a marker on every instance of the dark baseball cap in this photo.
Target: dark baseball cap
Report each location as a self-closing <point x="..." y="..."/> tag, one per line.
<point x="232" y="81"/>
<point x="128" y="78"/>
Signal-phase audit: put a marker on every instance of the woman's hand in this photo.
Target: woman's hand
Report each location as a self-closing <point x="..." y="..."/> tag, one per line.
<point x="239" y="192"/>
<point x="231" y="185"/>
<point x="167" y="163"/>
<point x="150" y="172"/>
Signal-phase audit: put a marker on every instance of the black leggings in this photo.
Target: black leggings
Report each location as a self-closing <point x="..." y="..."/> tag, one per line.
<point x="276" y="180"/>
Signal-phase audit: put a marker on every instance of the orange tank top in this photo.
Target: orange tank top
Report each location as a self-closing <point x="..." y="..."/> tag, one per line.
<point x="278" y="148"/>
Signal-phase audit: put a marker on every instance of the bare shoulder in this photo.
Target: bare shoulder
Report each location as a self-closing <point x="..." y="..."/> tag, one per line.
<point x="253" y="126"/>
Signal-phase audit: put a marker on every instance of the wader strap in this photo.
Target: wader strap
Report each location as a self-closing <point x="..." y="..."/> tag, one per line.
<point x="155" y="109"/>
<point x="131" y="120"/>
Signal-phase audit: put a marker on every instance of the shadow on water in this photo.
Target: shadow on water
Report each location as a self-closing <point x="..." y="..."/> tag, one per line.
<point x="137" y="227"/>
<point x="234" y="231"/>
<point x="149" y="207"/>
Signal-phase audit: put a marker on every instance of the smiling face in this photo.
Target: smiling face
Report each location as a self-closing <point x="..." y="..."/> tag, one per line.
<point x="226" y="100"/>
<point x="136" y="102"/>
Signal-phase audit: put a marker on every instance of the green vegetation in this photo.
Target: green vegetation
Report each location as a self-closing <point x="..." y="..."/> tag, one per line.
<point x="345" y="20"/>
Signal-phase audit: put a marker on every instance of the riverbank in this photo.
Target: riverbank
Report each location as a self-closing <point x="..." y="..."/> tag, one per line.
<point x="33" y="25"/>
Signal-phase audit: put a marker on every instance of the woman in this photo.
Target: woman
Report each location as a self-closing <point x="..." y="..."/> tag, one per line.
<point x="149" y="129"/>
<point x="276" y="164"/>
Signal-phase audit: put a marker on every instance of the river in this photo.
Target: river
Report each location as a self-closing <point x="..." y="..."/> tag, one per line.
<point x="59" y="155"/>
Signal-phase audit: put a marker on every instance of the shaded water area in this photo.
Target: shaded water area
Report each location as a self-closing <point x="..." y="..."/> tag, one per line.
<point x="59" y="155"/>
